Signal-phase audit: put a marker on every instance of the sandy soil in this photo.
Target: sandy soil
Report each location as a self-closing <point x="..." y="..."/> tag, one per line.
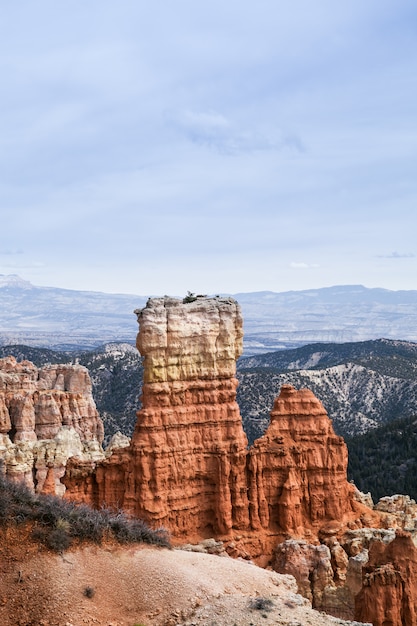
<point x="143" y="586"/>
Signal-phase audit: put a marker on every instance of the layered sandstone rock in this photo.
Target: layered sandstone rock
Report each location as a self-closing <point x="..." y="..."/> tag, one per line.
<point x="185" y="468"/>
<point x="309" y="564"/>
<point x="389" y="593"/>
<point x="47" y="415"/>
<point x="399" y="511"/>
<point x="297" y="470"/>
<point x="36" y="402"/>
<point x="188" y="467"/>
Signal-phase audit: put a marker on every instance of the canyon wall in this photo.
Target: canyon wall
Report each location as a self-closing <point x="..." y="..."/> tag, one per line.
<point x="388" y="596"/>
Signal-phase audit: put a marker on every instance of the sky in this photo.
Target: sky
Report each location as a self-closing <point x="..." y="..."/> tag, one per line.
<point x="209" y="146"/>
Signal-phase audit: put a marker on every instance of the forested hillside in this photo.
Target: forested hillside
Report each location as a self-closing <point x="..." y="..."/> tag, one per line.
<point x="384" y="460"/>
<point x="360" y="384"/>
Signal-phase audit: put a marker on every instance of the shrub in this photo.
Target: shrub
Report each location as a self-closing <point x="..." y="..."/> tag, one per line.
<point x="57" y="540"/>
<point x="58" y="521"/>
<point x="190" y="297"/>
<point x="89" y="592"/>
<point x="261" y="604"/>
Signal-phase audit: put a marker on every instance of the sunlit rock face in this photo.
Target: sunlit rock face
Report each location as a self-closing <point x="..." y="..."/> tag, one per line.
<point x="47" y="415"/>
<point x="285" y="501"/>
<point x="36" y="402"/>
<point x="389" y="591"/>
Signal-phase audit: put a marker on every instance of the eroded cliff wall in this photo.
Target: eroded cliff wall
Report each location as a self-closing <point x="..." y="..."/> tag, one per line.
<point x="285" y="501"/>
<point x="185" y="468"/>
<point x="47" y="415"/>
<point x="297" y="470"/>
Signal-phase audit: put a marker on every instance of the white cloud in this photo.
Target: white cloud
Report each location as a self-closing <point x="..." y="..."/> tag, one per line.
<point x="216" y="131"/>
<point x="303" y="266"/>
<point x="153" y="138"/>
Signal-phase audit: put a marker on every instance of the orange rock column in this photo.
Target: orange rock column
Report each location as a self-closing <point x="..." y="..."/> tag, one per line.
<point x="189" y="448"/>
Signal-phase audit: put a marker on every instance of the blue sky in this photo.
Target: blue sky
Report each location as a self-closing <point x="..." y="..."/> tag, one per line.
<point x="159" y="147"/>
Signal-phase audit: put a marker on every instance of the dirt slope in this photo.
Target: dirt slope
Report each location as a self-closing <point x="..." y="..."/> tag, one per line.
<point x="132" y="586"/>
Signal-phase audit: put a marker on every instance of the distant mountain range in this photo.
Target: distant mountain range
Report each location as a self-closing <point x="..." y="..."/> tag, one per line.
<point x="64" y="319"/>
<point x="361" y="385"/>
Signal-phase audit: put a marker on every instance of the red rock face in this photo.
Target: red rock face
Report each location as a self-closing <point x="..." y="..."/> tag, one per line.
<point x="188" y="467"/>
<point x="46" y="416"/>
<point x="36" y="402"/>
<point x="297" y="470"/>
<point x="185" y="468"/>
<point x="389" y="592"/>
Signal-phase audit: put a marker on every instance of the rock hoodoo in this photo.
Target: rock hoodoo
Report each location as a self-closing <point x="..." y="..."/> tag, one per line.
<point x="188" y="467"/>
<point x="185" y="467"/>
<point x="297" y="470"/>
<point x="46" y="416"/>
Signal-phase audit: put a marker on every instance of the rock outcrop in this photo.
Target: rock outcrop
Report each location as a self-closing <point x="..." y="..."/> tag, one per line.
<point x="389" y="593"/>
<point x="297" y="470"/>
<point x="285" y="501"/>
<point x="185" y="468"/>
<point x="188" y="467"/>
<point x="47" y="415"/>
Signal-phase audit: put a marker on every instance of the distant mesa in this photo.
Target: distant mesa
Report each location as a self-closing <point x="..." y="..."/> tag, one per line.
<point x="273" y="321"/>
<point x="14" y="281"/>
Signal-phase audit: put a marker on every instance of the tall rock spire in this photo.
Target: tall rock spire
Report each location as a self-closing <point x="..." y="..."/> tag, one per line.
<point x="189" y="447"/>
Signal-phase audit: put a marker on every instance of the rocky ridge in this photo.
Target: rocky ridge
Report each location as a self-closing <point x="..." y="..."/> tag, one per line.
<point x="361" y="385"/>
<point x="47" y="316"/>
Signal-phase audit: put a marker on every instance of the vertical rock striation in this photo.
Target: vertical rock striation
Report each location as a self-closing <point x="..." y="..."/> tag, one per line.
<point x="297" y="470"/>
<point x="46" y="416"/>
<point x="185" y="468"/>
<point x="285" y="501"/>
<point x="389" y="593"/>
<point x="188" y="466"/>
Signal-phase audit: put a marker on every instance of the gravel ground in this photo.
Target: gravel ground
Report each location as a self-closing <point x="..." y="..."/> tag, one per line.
<point x="138" y="586"/>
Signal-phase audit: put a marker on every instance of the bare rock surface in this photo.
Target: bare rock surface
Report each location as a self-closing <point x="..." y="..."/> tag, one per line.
<point x="188" y="467"/>
<point x="36" y="402"/>
<point x="389" y="590"/>
<point x="47" y="415"/>
<point x="298" y="467"/>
